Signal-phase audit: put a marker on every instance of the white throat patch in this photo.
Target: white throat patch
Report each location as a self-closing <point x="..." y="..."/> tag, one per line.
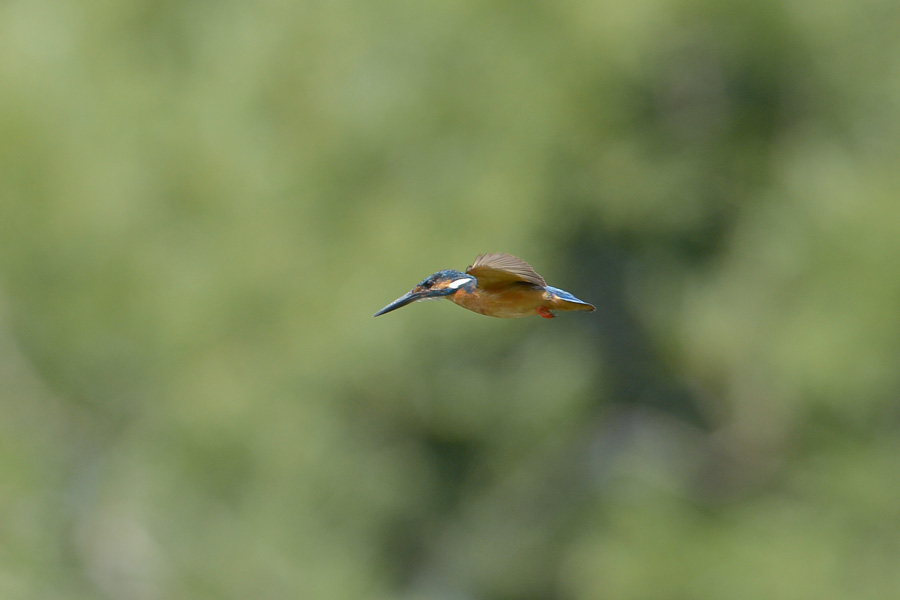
<point x="461" y="281"/>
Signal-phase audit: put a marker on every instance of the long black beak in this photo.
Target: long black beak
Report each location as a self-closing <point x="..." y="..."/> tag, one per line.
<point x="402" y="301"/>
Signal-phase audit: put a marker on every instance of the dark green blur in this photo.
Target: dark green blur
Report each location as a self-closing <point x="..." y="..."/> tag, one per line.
<point x="203" y="203"/>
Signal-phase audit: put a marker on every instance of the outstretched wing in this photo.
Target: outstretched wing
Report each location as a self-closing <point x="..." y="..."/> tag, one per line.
<point x="502" y="269"/>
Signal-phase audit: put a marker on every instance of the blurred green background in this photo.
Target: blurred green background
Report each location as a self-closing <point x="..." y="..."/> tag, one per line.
<point x="202" y="204"/>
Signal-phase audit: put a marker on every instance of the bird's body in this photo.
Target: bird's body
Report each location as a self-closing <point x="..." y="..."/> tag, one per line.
<point x="496" y="285"/>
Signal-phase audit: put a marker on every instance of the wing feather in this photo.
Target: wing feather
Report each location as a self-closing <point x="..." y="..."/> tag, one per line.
<point x="496" y="268"/>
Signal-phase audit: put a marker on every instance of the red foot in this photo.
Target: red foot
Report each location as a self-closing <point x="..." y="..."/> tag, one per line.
<point x="544" y="312"/>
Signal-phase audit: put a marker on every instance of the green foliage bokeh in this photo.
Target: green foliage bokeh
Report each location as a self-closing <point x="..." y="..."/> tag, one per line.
<point x="202" y="204"/>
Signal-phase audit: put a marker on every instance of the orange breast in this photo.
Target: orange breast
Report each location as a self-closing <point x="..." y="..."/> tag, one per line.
<point x="507" y="303"/>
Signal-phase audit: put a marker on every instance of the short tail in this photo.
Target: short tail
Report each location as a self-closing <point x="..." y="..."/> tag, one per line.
<point x="563" y="300"/>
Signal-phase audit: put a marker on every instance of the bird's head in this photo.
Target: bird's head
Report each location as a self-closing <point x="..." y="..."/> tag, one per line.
<point x="438" y="285"/>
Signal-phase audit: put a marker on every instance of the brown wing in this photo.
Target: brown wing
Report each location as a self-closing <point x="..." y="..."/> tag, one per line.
<point x="503" y="269"/>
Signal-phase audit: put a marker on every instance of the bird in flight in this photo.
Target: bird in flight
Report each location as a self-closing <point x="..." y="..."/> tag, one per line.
<point x="496" y="285"/>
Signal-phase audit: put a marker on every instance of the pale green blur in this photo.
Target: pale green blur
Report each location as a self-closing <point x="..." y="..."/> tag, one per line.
<point x="203" y="203"/>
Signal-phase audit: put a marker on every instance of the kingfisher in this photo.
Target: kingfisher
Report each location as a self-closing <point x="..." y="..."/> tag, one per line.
<point x="496" y="285"/>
